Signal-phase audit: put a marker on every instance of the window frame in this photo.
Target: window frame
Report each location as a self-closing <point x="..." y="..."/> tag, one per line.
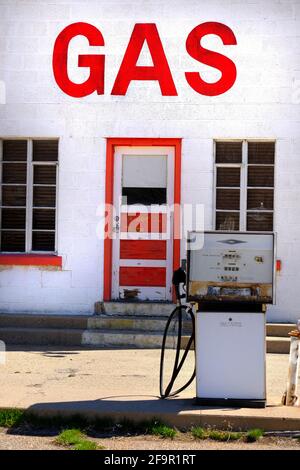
<point x="243" y="211"/>
<point x="29" y="195"/>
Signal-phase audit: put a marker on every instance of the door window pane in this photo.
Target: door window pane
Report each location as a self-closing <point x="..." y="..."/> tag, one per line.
<point x="145" y="196"/>
<point x="144" y="171"/>
<point x="144" y="179"/>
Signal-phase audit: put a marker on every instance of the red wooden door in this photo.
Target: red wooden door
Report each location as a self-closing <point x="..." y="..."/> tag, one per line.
<point x="142" y="248"/>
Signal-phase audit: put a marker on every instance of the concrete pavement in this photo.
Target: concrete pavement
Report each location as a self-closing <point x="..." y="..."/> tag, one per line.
<point x="123" y="383"/>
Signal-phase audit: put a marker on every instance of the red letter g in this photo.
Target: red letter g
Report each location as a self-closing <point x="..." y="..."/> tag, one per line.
<point x="95" y="82"/>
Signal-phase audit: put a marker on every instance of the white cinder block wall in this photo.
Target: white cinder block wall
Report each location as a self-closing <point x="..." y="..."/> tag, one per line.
<point x="263" y="103"/>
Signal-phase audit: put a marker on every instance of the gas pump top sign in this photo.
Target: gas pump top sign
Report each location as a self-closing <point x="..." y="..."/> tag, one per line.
<point x="231" y="266"/>
<point x="129" y="70"/>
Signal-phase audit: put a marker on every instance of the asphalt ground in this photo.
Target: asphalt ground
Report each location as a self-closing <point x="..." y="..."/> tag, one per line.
<point x="124" y="383"/>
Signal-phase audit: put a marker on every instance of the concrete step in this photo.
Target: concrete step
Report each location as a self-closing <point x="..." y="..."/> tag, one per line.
<point x="42" y="336"/>
<point x="159" y="309"/>
<point x="278" y="345"/>
<point x="280" y="329"/>
<point x="27" y="320"/>
<point x="127" y="339"/>
<point x="130" y="322"/>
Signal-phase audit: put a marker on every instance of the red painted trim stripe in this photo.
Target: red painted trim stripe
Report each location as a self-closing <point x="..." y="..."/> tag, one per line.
<point x="143" y="141"/>
<point x="31" y="260"/>
<point x="109" y="189"/>
<point x="142" y="277"/>
<point x="143" y="249"/>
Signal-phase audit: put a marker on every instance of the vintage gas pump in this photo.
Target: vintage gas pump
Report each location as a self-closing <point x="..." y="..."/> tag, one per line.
<point x="231" y="279"/>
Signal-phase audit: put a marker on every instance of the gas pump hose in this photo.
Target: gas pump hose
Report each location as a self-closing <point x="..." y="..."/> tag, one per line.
<point x="180" y="311"/>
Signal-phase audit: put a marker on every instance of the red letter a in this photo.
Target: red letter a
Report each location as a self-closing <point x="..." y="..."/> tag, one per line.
<point x="130" y="71"/>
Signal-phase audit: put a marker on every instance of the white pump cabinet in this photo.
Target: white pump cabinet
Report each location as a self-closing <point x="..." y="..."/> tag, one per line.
<point x="230" y="358"/>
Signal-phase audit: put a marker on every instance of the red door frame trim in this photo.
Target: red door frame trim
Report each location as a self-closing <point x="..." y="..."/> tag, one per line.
<point x="111" y="143"/>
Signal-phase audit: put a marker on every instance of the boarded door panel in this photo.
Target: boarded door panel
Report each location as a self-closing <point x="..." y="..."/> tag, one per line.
<point x="143" y="249"/>
<point x="142" y="276"/>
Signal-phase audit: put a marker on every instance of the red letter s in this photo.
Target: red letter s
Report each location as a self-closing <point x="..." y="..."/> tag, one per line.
<point x="160" y="70"/>
<point x="214" y="59"/>
<point x="95" y="82"/>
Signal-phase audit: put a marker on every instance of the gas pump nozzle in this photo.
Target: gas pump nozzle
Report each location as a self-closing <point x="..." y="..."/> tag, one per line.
<point x="179" y="277"/>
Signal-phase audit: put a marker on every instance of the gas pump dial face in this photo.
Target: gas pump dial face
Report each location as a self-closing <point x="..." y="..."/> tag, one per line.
<point x="233" y="269"/>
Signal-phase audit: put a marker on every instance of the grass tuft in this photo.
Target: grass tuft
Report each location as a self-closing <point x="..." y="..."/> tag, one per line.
<point x="87" y="445"/>
<point x="224" y="436"/>
<point x="11" y="417"/>
<point x="75" y="439"/>
<point x="215" y="435"/>
<point x="199" y="433"/>
<point x="254" y="435"/>
<point x="162" y="430"/>
<point x="70" y="437"/>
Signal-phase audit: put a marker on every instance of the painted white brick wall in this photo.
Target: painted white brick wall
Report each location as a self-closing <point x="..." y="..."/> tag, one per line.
<point x="264" y="103"/>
